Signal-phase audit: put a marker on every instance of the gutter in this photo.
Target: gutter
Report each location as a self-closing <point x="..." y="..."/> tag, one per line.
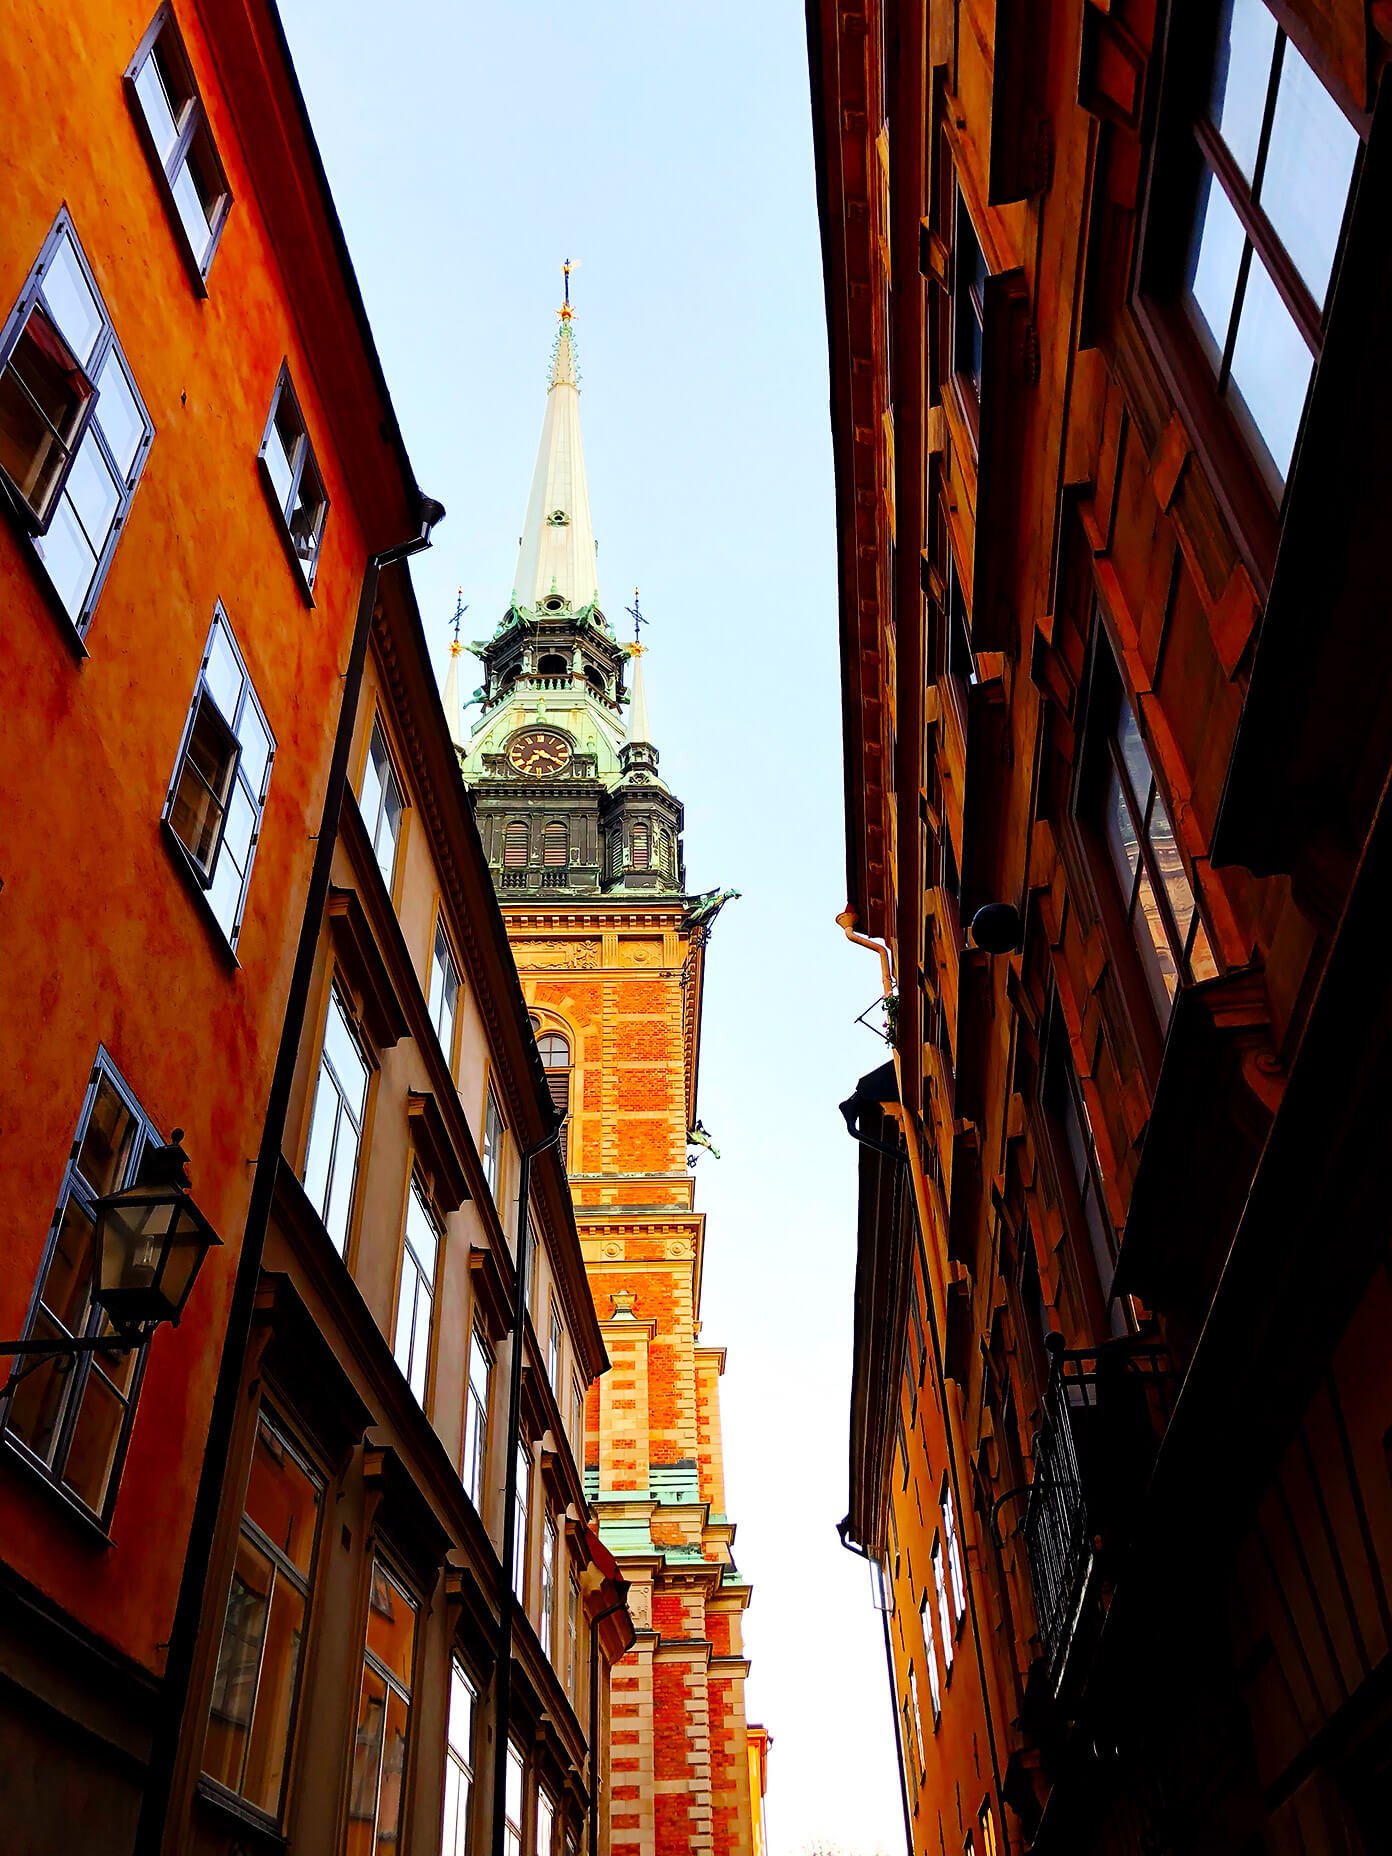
<point x="171" y="1712"/>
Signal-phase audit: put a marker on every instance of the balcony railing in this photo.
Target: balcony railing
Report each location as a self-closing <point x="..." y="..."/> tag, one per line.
<point x="1104" y="1414"/>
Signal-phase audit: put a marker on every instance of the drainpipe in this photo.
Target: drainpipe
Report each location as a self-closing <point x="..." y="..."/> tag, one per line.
<point x="619" y="1604"/>
<point x="188" y="1611"/>
<point x="507" y="1598"/>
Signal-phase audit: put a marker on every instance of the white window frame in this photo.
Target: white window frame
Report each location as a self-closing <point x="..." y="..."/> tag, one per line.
<point x="415" y="1302"/>
<point x="514" y="1800"/>
<point x="92" y="448"/>
<point x="522" y="1501"/>
<point x="930" y="1658"/>
<point x="944" y="1614"/>
<point x="494" y="1135"/>
<point x="544" y="1837"/>
<point x="305" y="551"/>
<point x="955" y="1569"/>
<point x="379" y="779"/>
<point x="476" y="1417"/>
<point x="461" y="1727"/>
<point x="549" y="1540"/>
<point x="192" y="141"/>
<point x="555" y="1334"/>
<point x="329" y="1078"/>
<point x="443" y="1004"/>
<point x="249" y="784"/>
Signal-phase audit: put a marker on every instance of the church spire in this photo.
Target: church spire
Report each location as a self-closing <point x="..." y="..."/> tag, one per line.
<point x="454" y="711"/>
<point x="557" y="556"/>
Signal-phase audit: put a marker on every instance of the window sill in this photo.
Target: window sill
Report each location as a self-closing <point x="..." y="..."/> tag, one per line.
<point x="303" y="580"/>
<point x="184" y="864"/>
<point x="13" y="1452"/>
<point x="216" y="1797"/>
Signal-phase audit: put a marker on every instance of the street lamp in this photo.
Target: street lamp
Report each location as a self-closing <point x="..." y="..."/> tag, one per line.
<point x="148" y="1245"/>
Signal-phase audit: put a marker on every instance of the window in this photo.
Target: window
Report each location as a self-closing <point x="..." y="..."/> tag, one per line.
<point x="930" y="1657"/>
<point x="968" y="304"/>
<point x="572" y="1659"/>
<point x="555" y="1060"/>
<point x="444" y="992"/>
<point x="911" y="1766"/>
<point x="545" y="1824"/>
<point x="252" y="1718"/>
<point x="515" y="846"/>
<point x="72" y="1419"/>
<point x="512" y="1801"/>
<point x="493" y="1144"/>
<point x="416" y="1301"/>
<point x="218" y="793"/>
<point x="917" y="1720"/>
<point x="944" y="1615"/>
<point x="577" y="1421"/>
<point x="548" y="1587"/>
<point x="476" y="1419"/>
<point x="381" y="805"/>
<point x="1144" y="857"/>
<point x="459" y="1762"/>
<point x="1274" y="157"/>
<point x="336" y="1125"/>
<point x="74" y="432"/>
<point x="920" y="1337"/>
<point x="521" y="1502"/>
<point x="384" y="1719"/>
<point x="553" y="1350"/>
<point x="954" y="1556"/>
<point x="555" y="845"/>
<point x="292" y="477"/>
<point x="1063" y="1097"/>
<point x="989" y="1845"/>
<point x="638" y="856"/>
<point x="160" y="79"/>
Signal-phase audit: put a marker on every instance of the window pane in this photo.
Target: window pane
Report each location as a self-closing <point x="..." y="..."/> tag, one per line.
<point x="239" y="1662"/>
<point x="283" y="1499"/>
<point x="108" y="1140"/>
<point x="349" y="1064"/>
<point x="1214" y="257"/>
<point x="117" y="413"/>
<point x="1202" y="965"/>
<point x="391" y="1625"/>
<point x="367" y="1765"/>
<point x="205" y="775"/>
<point x="275" y="1698"/>
<point x="92" y="1448"/>
<point x="1241" y="74"/>
<point x="404" y="1338"/>
<point x="461" y="1716"/>
<point x="1154" y="944"/>
<point x="224" y="893"/>
<point x="1170" y="866"/>
<point x="320" y="1149"/>
<point x="1271" y="366"/>
<point x="341" y="1190"/>
<point x="256" y="746"/>
<point x="241" y="822"/>
<point x="67" y="558"/>
<point x="40" y="1398"/>
<point x="154" y="101"/>
<point x="223" y="674"/>
<point x="195" y="204"/>
<point x="278" y="463"/>
<point x="1120" y="827"/>
<point x="454" y="1832"/>
<point x="74" y="308"/>
<point x="421" y="1235"/>
<point x="94" y="493"/>
<point x="68" y="1279"/>
<point x="1309" y="165"/>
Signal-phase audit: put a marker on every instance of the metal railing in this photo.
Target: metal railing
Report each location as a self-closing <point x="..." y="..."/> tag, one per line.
<point x="1104" y="1413"/>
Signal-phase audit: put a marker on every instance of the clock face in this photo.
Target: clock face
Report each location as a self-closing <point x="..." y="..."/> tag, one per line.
<point x="538" y="751"/>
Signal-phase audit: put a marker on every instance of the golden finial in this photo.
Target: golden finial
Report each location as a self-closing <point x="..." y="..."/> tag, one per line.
<point x="565" y="312"/>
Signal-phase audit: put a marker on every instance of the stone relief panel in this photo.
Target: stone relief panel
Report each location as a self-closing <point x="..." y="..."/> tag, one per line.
<point x="556" y="954"/>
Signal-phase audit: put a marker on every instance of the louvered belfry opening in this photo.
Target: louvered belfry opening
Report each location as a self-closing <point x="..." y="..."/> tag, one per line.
<point x="639" y="858"/>
<point x="515" y="845"/>
<point x="555" y="845"/>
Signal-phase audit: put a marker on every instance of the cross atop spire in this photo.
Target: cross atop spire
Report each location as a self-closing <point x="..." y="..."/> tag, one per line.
<point x="635" y="612"/>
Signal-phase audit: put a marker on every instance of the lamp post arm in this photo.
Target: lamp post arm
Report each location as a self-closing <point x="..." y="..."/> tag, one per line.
<point x="35" y="1352"/>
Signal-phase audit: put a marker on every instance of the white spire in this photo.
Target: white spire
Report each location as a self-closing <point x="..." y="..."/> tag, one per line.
<point x="558" y="544"/>
<point x="638" y="729"/>
<point x="449" y="696"/>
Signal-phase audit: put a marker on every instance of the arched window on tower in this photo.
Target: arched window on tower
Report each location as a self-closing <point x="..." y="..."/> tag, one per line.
<point x="553" y="665"/>
<point x="555" y="1060"/>
<point x="555" y="845"/>
<point x="638" y="842"/>
<point x="595" y="679"/>
<point x="515" y="845"/>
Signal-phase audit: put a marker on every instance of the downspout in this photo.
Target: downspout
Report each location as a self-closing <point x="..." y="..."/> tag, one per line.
<point x="852" y="1546"/>
<point x="507" y="1598"/>
<point x="951" y="1416"/>
<point x="188" y="1611"/>
<point x="619" y="1604"/>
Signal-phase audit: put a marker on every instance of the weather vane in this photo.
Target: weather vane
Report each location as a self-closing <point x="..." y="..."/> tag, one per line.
<point x="459" y="610"/>
<point x="635" y="612"/>
<point x="566" y="312"/>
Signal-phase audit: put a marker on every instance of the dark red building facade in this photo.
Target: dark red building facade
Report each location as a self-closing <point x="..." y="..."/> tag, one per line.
<point x="1105" y="287"/>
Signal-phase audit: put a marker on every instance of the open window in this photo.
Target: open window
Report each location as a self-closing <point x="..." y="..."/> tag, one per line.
<point x="174" y="123"/>
<point x="292" y="478"/>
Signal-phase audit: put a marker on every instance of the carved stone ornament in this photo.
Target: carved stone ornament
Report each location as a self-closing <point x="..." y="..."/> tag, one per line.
<point x="611" y="1251"/>
<point x="678" y="1247"/>
<point x="640" y="1606"/>
<point x="557" y="953"/>
<point x="621" y="1301"/>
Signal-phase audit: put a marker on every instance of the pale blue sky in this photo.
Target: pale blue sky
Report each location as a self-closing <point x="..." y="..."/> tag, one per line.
<point x="668" y="148"/>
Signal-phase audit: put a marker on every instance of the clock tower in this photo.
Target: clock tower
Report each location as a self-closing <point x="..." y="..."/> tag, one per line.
<point x="584" y="841"/>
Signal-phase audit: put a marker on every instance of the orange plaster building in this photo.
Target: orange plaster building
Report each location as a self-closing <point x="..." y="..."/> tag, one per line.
<point x="198" y="462"/>
<point x="584" y="840"/>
